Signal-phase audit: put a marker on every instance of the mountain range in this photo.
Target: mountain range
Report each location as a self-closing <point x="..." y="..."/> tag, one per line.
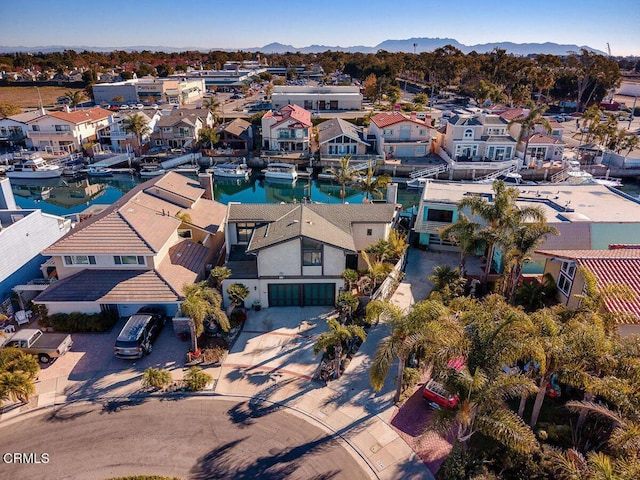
<point x="410" y="45"/>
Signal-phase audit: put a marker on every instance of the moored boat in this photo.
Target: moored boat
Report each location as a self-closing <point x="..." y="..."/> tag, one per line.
<point x="99" y="170"/>
<point x="151" y="170"/>
<point x="34" y="168"/>
<point x="230" y="170"/>
<point x="281" y="172"/>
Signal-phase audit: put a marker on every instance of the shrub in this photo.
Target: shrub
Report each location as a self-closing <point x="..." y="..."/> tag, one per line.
<point x="195" y="379"/>
<point x="347" y="304"/>
<point x="237" y="317"/>
<point x="81" y="322"/>
<point x="156" y="378"/>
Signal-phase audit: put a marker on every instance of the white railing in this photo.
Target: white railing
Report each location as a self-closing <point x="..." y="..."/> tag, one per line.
<point x="560" y="176"/>
<point x="497" y="173"/>
<point x="427" y="172"/>
<point x="425" y="226"/>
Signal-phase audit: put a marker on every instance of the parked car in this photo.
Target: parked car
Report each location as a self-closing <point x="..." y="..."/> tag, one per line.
<point x="237" y="96"/>
<point x="124" y="107"/>
<point x="45" y="346"/>
<point x="437" y="394"/>
<point x="138" y="334"/>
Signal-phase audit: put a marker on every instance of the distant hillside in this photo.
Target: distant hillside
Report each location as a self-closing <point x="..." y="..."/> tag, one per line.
<point x="419" y="45"/>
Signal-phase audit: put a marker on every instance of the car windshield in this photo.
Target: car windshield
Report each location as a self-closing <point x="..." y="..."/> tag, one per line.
<point x="124" y="344"/>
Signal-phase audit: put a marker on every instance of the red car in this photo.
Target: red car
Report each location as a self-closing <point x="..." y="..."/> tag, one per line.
<point x="435" y="393"/>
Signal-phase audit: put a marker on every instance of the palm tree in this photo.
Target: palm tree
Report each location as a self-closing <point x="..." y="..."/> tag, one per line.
<point x="75" y="97"/>
<point x="482" y="409"/>
<point x="377" y="270"/>
<point x="212" y="104"/>
<point x="202" y="302"/>
<point x="335" y="341"/>
<point x="217" y="276"/>
<point x="371" y="185"/>
<point x="344" y="174"/>
<point x="502" y="216"/>
<point x="16" y="386"/>
<point x="137" y="124"/>
<point x="208" y="135"/>
<point x="527" y="123"/>
<point x="464" y="234"/>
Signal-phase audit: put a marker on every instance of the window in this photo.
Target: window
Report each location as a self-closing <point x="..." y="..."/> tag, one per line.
<point x="565" y="279"/>
<point x="369" y="232"/>
<point x="167" y="129"/>
<point x="422" y="132"/>
<point x="35" y="128"/>
<point x="79" y="260"/>
<point x="244" y="231"/>
<point x="434" y="215"/>
<point x="158" y="142"/>
<point x="387" y="131"/>
<point x="62" y="128"/>
<point x="311" y="253"/>
<point x="128" y="260"/>
<point x="468" y="133"/>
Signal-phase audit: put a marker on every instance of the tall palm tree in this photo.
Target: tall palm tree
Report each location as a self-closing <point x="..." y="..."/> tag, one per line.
<point x="335" y="341"/>
<point x="208" y="135"/>
<point x="464" y="234"/>
<point x="203" y="302"/>
<point x="212" y="104"/>
<point x="75" y="97"/>
<point x="527" y="123"/>
<point x="137" y="124"/>
<point x="344" y="173"/>
<point x="371" y="185"/>
<point x="499" y="217"/>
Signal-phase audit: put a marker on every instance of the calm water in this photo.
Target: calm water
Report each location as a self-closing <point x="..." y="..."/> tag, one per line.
<point x="65" y="195"/>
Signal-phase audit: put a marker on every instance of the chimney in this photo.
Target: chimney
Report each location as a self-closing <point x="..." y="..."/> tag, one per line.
<point x="413" y="116"/>
<point x="206" y="182"/>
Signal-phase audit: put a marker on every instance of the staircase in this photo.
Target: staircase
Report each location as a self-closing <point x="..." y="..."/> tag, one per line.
<point x="429" y="171"/>
<point x="497" y="173"/>
<point x="560" y="176"/>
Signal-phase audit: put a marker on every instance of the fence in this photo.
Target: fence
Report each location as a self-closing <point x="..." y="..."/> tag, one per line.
<point x="389" y="285"/>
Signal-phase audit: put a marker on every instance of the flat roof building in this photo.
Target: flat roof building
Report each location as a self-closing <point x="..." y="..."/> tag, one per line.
<point x="318" y="98"/>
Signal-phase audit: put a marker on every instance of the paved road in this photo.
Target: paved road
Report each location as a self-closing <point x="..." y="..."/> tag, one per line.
<point x="195" y="438"/>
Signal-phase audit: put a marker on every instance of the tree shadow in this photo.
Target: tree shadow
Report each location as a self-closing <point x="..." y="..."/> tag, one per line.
<point x="413" y="417"/>
<point x="222" y="463"/>
<point x="117" y="405"/>
<point x="60" y="414"/>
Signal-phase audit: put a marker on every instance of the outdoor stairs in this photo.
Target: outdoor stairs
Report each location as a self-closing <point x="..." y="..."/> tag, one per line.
<point x="497" y="173"/>
<point x="560" y="176"/>
<point x="429" y="171"/>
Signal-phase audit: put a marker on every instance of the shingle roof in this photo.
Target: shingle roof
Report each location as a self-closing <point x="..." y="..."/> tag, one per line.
<point x="237" y="127"/>
<point x="25" y="117"/>
<point x="176" y="117"/>
<point x="492" y="120"/>
<point x="336" y="127"/>
<point x="385" y="119"/>
<point x="110" y="286"/>
<point x="615" y="266"/>
<point x="513" y="113"/>
<point x="542" y="139"/>
<point x="464" y="120"/>
<point x="185" y="262"/>
<point x="81" y="116"/>
<point x="301" y="222"/>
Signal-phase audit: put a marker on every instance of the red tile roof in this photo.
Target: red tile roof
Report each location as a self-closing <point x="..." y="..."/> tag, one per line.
<point x="541" y="138"/>
<point x="616" y="266"/>
<point x="81" y="116"/>
<point x="292" y="112"/>
<point x="385" y="119"/>
<point x="513" y="113"/>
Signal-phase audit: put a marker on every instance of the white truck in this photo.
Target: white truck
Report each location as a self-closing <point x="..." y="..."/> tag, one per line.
<point x="45" y="346"/>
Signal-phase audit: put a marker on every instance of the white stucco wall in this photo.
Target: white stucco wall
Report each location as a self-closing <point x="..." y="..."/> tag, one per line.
<point x="68" y="307"/>
<point x="333" y="261"/>
<point x="282" y="259"/>
<point x="360" y="237"/>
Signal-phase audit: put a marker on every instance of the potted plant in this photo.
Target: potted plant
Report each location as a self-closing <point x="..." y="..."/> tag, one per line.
<point x="256" y="305"/>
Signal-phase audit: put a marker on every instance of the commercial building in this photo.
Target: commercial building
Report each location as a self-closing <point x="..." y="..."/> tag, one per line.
<point x="150" y="91"/>
<point x="318" y="98"/>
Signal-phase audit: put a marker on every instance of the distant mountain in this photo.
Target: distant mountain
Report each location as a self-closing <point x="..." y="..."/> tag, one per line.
<point x="418" y="44"/>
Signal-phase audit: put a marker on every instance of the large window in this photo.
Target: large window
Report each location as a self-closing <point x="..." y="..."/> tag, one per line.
<point x="311" y="253"/>
<point x="468" y="133"/>
<point x="435" y="215"/>
<point x="62" y="128"/>
<point x="244" y="231"/>
<point x="128" y="260"/>
<point x="79" y="260"/>
<point x="565" y="279"/>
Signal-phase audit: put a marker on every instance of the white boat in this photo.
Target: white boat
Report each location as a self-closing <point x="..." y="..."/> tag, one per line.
<point x="419" y="182"/>
<point x="281" y="172"/>
<point x="34" y="168"/>
<point x="231" y="170"/>
<point x="99" y="170"/>
<point x="152" y="170"/>
<point x="72" y="168"/>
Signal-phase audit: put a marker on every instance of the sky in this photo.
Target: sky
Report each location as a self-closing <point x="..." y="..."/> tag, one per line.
<point x="210" y="24"/>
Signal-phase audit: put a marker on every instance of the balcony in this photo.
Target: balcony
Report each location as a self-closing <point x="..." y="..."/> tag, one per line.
<point x="51" y="134"/>
<point x="425" y="226"/>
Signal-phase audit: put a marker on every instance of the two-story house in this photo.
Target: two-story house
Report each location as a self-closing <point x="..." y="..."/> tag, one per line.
<point x="180" y="128"/>
<point x="287" y="129"/>
<point x="14" y="128"/>
<point x="236" y="138"/>
<point x="289" y="254"/>
<point x="542" y="145"/>
<point x="338" y="137"/>
<point x="478" y="137"/>
<point x="117" y="137"/>
<point x="400" y="136"/>
<point x="66" y="131"/>
<point x="142" y="250"/>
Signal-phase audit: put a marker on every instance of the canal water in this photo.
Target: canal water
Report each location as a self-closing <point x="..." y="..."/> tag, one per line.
<point x="65" y="195"/>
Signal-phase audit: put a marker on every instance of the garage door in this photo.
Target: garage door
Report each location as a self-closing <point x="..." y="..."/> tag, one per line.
<point x="300" y="295"/>
<point x="405" y="151"/>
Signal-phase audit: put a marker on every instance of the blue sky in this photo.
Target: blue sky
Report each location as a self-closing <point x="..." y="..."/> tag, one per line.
<point x="242" y="24"/>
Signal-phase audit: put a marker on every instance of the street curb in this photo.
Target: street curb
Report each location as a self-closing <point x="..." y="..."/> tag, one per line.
<point x="353" y="449"/>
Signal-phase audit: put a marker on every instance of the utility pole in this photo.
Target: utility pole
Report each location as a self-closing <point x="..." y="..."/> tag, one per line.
<point x="40" y="104"/>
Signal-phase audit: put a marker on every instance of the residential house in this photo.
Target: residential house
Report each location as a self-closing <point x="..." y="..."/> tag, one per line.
<point x="288" y="254"/>
<point x="620" y="264"/>
<point x="543" y="146"/>
<point x="338" y="137"/>
<point x="400" y="136"/>
<point x="142" y="250"/>
<point x="478" y="137"/>
<point x="14" y="128"/>
<point x="66" y="131"/>
<point x="180" y="128"/>
<point x="287" y="129"/>
<point x="236" y="137"/>
<point x="588" y="216"/>
<point x="117" y="137"/>
<point x="24" y="233"/>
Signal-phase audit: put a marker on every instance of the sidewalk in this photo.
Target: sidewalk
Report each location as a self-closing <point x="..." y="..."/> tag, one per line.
<point x="271" y="364"/>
